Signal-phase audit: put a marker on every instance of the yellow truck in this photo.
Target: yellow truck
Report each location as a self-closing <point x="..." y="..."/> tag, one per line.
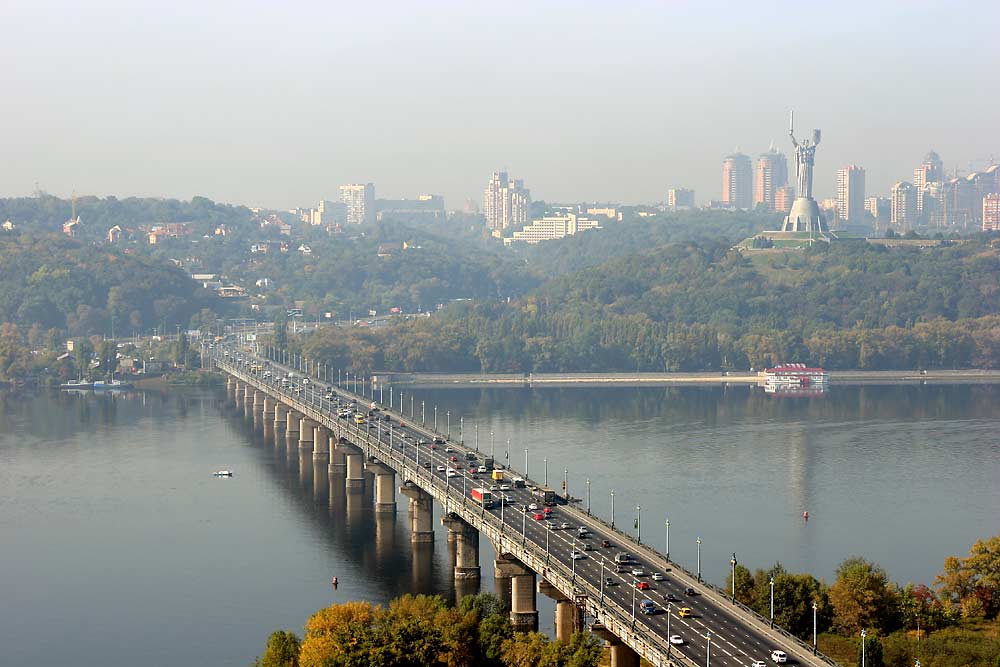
<point x="498" y="475"/>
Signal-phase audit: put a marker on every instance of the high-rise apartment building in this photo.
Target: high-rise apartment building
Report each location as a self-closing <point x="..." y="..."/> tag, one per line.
<point x="359" y="198"/>
<point x="930" y="170"/>
<point x="783" y="198"/>
<point x="770" y="173"/>
<point x="506" y="202"/>
<point x="903" y="205"/>
<point x="851" y="193"/>
<point x="737" y="181"/>
<point x="680" y="198"/>
<point x="879" y="208"/>
<point x="991" y="212"/>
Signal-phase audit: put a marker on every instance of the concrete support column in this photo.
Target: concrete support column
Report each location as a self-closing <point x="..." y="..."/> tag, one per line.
<point x="321" y="443"/>
<point x="385" y="493"/>
<point x="623" y="656"/>
<point x="230" y="388"/>
<point x="248" y="398"/>
<point x="338" y="461"/>
<point x="239" y="393"/>
<point x="268" y="411"/>
<point x="292" y="423"/>
<point x="421" y="514"/>
<point x="355" y="471"/>
<point x="466" y="541"/>
<point x="259" y="398"/>
<point x="280" y="417"/>
<point x="306" y="429"/>
<point x="565" y="620"/>
<point x="523" y="611"/>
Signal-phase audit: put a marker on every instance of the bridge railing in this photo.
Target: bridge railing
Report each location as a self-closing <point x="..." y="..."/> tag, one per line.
<point x="373" y="447"/>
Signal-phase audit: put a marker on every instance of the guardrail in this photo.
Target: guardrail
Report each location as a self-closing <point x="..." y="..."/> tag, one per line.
<point x="606" y="611"/>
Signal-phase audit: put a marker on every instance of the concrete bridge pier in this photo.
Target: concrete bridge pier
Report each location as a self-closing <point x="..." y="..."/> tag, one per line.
<point x="267" y="411"/>
<point x="385" y="488"/>
<point x="321" y="443"/>
<point x="523" y="610"/>
<point x="292" y="420"/>
<point x="355" y="471"/>
<point x="568" y="617"/>
<point x="230" y="388"/>
<point x="248" y="399"/>
<point x="466" y="541"/>
<point x="421" y="514"/>
<point x="621" y="655"/>
<point x="280" y="417"/>
<point x="338" y="460"/>
<point x="307" y="428"/>
<point x="239" y="393"/>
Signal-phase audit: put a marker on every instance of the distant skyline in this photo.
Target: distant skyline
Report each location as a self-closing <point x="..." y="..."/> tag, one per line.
<point x="278" y="105"/>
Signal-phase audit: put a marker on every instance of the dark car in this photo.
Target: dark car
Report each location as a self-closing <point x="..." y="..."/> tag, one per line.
<point x="689" y="591"/>
<point x="670" y="597"/>
<point x="606" y="544"/>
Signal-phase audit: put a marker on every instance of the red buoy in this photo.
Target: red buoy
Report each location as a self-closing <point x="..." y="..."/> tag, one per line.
<point x="334" y="582"/>
<point x="805" y="515"/>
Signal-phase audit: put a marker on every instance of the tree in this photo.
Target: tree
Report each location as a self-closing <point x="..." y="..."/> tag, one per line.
<point x="282" y="651"/>
<point x="744" y="585"/>
<point x="862" y="597"/>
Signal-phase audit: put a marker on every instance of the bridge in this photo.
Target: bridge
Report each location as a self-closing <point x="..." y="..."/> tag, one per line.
<point x="561" y="551"/>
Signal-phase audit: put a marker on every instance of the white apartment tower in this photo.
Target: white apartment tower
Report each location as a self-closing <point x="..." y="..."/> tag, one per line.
<point x="506" y="202"/>
<point x="359" y="198"/>
<point x="850" y="193"/>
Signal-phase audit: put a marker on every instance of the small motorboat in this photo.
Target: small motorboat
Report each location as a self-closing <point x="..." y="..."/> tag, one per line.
<point x="223" y="473"/>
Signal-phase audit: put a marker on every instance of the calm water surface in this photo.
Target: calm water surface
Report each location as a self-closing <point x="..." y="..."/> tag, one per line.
<point x="117" y="540"/>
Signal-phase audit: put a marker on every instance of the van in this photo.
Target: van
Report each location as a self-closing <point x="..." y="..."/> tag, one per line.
<point x="779" y="656"/>
<point x="622" y="557"/>
<point x="518" y="482"/>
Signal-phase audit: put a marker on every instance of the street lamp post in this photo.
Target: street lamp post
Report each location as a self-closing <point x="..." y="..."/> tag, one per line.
<point x="634" y="584"/>
<point x="390" y="397"/>
<point x="411" y="406"/>
<point x="545" y="474"/>
<point x="435" y="418"/>
<point x="566" y="483"/>
<point x="699" y="558"/>
<point x="492" y="447"/>
<point x="612" y="508"/>
<point x="638" y="523"/>
<point x="448" y="421"/>
<point x="477" y="436"/>
<point x="815" y="606"/>
<point x="423" y="413"/>
<point x="733" y="562"/>
<point x="667" y="554"/>
<point x="525" y="462"/>
<point x="708" y="648"/>
<point x="461" y="430"/>
<point x="864" y="633"/>
<point x="669" y="608"/>
<point x="588" y="496"/>
<point x="772" y="602"/>
<point x="524" y="522"/>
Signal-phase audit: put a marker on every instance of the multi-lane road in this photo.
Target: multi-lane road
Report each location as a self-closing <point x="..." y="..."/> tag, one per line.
<point x="714" y="625"/>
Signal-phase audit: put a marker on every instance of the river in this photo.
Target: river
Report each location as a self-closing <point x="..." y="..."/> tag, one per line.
<point x="120" y="547"/>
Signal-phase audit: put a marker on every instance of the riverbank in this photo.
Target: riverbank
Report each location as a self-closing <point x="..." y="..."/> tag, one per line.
<point x="670" y="379"/>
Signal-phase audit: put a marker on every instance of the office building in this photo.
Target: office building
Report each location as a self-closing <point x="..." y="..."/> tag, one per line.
<point x="359" y="198"/>
<point x="737" y="181"/>
<point x="506" y="202"/>
<point x="680" y="198"/>
<point x="991" y="212"/>
<point x="851" y="193"/>
<point x="903" y="206"/>
<point x="770" y="173"/>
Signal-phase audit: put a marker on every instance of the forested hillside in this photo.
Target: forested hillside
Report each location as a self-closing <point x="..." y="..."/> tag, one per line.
<point x="52" y="281"/>
<point x="702" y="306"/>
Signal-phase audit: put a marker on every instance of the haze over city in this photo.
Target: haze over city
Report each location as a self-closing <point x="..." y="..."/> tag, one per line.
<point x="276" y="105"/>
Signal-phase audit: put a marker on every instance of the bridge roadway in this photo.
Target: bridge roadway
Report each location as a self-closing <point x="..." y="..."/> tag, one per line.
<point x="737" y="635"/>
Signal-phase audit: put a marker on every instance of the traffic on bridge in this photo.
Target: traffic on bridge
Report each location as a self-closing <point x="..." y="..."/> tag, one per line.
<point x="634" y="597"/>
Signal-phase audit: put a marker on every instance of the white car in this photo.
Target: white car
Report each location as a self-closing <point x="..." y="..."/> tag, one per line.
<point x="779" y="656"/>
<point x="564" y="526"/>
<point x="483" y="469"/>
<point x="676" y="640"/>
<point x="533" y="507"/>
<point x="578" y="555"/>
<point x="449" y="450"/>
<point x="658" y="576"/>
<point x="452" y="472"/>
<point x="757" y="663"/>
<point x="441" y="468"/>
<point x="638" y="572"/>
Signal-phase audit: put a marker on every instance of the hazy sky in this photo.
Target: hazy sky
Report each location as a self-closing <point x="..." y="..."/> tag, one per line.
<point x="276" y="103"/>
